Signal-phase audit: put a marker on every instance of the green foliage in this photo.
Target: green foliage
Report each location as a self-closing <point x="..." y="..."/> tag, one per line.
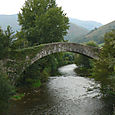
<point x="104" y="68"/>
<point x="36" y="84"/>
<point x="42" y="21"/>
<point x="68" y="58"/>
<point x="41" y="69"/>
<point x="6" y="38"/>
<point x="84" y="63"/>
<point x="18" y="96"/>
<point x="21" y="42"/>
<point x="21" y="54"/>
<point x="6" y="91"/>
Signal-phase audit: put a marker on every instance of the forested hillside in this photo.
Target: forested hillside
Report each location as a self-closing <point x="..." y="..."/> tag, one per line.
<point x="97" y="35"/>
<point x="75" y="32"/>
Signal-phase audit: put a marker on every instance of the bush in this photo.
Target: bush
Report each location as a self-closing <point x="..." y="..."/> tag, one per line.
<point x="6" y="91"/>
<point x="104" y="68"/>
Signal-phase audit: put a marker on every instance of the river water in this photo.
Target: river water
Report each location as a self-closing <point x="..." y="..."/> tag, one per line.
<point x="68" y="94"/>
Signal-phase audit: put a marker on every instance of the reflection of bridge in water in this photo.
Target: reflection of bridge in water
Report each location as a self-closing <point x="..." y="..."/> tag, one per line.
<point x="23" y="58"/>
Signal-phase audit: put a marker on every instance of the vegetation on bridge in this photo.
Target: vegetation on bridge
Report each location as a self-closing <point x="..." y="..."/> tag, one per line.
<point x="20" y="54"/>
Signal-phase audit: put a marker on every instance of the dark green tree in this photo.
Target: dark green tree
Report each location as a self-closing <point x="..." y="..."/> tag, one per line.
<point x="20" y="42"/>
<point x="6" y="91"/>
<point x="84" y="63"/>
<point x="104" y="68"/>
<point x="42" y="21"/>
<point x="6" y="38"/>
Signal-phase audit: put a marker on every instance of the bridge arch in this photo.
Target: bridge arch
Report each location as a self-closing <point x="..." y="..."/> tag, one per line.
<point x="51" y="48"/>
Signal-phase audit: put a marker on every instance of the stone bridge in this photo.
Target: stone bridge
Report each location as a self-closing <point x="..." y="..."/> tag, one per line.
<point x="23" y="58"/>
<point x="51" y="48"/>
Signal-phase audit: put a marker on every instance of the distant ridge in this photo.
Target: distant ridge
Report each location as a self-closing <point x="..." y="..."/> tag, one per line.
<point x="90" y="25"/>
<point x="11" y="20"/>
<point x="78" y="29"/>
<point x="75" y="32"/>
<point x="6" y="20"/>
<point x="97" y="35"/>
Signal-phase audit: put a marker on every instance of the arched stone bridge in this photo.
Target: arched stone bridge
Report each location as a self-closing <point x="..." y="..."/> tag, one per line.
<point x="51" y="48"/>
<point x="20" y="59"/>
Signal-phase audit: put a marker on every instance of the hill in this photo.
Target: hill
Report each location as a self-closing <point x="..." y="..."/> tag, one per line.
<point x="90" y="25"/>
<point x="75" y="32"/>
<point x="97" y="35"/>
<point x="11" y="20"/>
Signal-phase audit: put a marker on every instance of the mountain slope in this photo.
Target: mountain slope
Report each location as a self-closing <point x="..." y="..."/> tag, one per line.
<point x="75" y="32"/>
<point x="6" y="20"/>
<point x="97" y="35"/>
<point x="90" y="25"/>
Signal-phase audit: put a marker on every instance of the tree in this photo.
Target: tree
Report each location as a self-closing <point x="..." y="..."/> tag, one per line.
<point x="104" y="68"/>
<point x="6" y="91"/>
<point x="84" y="63"/>
<point x="6" y="38"/>
<point x="42" y="21"/>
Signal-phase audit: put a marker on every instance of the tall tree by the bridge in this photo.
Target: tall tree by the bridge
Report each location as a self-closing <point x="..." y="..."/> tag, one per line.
<point x="42" y="21"/>
<point x="6" y="38"/>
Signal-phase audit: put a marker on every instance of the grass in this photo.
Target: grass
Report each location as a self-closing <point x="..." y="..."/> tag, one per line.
<point x="36" y="84"/>
<point x="18" y="96"/>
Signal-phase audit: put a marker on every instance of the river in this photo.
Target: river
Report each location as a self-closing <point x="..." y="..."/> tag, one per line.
<point x="68" y="94"/>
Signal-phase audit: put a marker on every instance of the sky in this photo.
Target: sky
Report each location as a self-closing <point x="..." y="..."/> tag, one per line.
<point x="102" y="11"/>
